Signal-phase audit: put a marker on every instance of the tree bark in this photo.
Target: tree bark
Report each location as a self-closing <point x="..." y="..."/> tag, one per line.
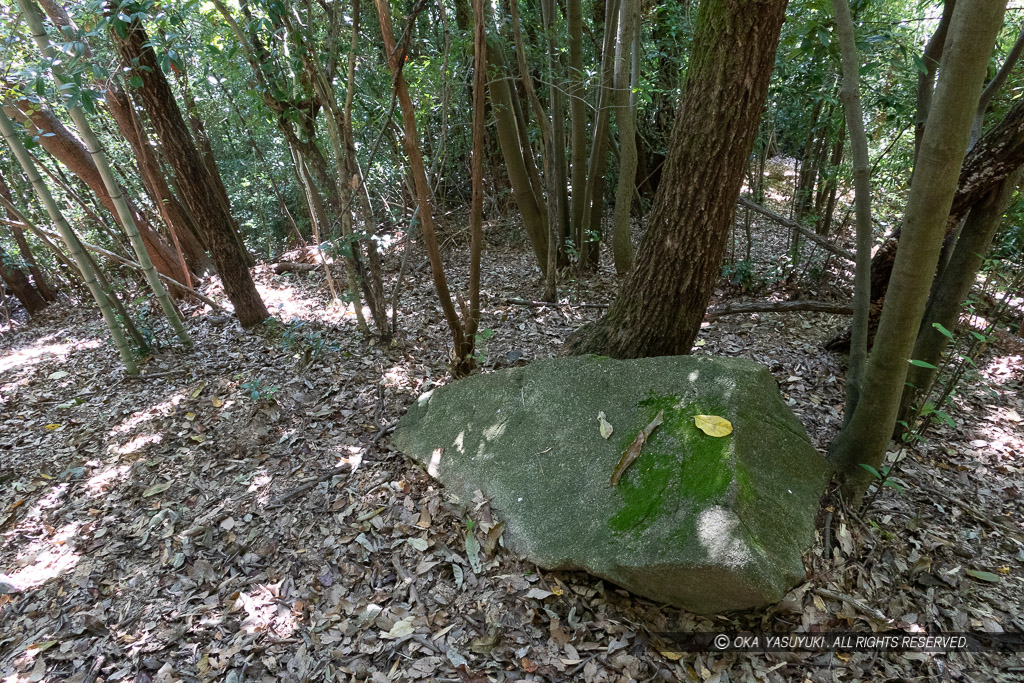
<point x="17" y="281"/>
<point x="867" y="432"/>
<point x="953" y="285"/>
<point x="850" y="96"/>
<point x="59" y="142"/>
<point x="39" y="281"/>
<point x="622" y="240"/>
<point x="998" y="153"/>
<point x="84" y="267"/>
<point x="394" y="59"/>
<point x="662" y="302"/>
<point x="197" y="188"/>
<point x="531" y="207"/>
<point x="124" y="212"/>
<point x="578" y="116"/>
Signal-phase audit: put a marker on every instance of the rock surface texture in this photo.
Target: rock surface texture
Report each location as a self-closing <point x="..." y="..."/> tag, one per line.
<point x="705" y="523"/>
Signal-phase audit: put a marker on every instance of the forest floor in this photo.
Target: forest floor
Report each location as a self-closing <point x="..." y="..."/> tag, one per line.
<point x="186" y="526"/>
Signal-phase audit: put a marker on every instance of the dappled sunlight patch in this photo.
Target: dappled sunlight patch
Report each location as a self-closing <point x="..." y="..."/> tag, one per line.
<point x="100" y="483"/>
<point x="285" y="302"/>
<point x="264" y="612"/>
<point x="718" y="531"/>
<point x="137" y="444"/>
<point x="46" y="558"/>
<point x="26" y="357"/>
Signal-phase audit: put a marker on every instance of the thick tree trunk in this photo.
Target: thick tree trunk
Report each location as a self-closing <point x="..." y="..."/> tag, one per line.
<point x="17" y="281"/>
<point x="863" y="440"/>
<point x="662" y="302"/>
<point x="197" y="188"/>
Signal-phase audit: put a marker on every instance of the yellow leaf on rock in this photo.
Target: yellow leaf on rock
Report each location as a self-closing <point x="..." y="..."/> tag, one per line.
<point x="53" y="425"/>
<point x="713" y="425"/>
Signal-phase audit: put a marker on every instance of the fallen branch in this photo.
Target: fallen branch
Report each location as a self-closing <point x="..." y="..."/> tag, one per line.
<point x="777" y="307"/>
<point x="540" y="304"/>
<point x="329" y="474"/>
<point x="809" y="234"/>
<point x="854" y="603"/>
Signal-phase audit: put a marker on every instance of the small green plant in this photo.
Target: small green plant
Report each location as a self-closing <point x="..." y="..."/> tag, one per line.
<point x="308" y="345"/>
<point x="480" y="345"/>
<point x="260" y="392"/>
<point x="884" y="479"/>
<point x="741" y="274"/>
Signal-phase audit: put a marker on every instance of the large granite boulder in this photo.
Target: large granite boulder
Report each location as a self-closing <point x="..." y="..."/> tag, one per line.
<point x="705" y="523"/>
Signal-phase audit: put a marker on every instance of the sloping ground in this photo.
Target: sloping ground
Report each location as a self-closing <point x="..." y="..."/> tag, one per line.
<point x="185" y="526"/>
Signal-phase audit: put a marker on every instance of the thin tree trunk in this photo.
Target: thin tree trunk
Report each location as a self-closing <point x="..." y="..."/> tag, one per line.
<point x="867" y="432"/>
<point x="61" y="144"/>
<point x="7" y="129"/>
<point x="593" y="196"/>
<point x="926" y="79"/>
<point x="465" y="355"/>
<point x="124" y="212"/>
<point x="622" y="241"/>
<point x="531" y="207"/>
<point x="395" y="63"/>
<point x="850" y="96"/>
<point x="578" y="116"/>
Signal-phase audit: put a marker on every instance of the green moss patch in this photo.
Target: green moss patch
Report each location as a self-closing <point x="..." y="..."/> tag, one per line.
<point x="679" y="463"/>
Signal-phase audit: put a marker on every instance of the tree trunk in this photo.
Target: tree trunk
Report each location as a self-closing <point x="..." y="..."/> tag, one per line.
<point x="622" y="241"/>
<point x="531" y="207"/>
<point x="662" y="302"/>
<point x="38" y="280"/>
<point x="953" y="285"/>
<point x="118" y="103"/>
<point x="593" y="196"/>
<point x="124" y="212"/>
<point x="411" y="141"/>
<point x="84" y="267"/>
<point x="863" y="440"/>
<point x="850" y="96"/>
<point x="197" y="188"/>
<point x="59" y="142"/>
<point x="17" y="281"/>
<point x="998" y="153"/>
<point x="578" y="116"/>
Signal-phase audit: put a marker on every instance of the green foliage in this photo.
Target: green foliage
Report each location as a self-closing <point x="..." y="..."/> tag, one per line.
<point x="480" y="345"/>
<point x="260" y="392"/>
<point x="742" y="274"/>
